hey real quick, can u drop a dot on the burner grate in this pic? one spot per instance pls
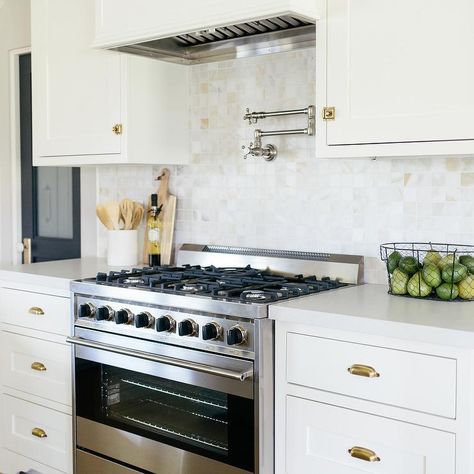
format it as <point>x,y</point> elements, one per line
<point>238,284</point>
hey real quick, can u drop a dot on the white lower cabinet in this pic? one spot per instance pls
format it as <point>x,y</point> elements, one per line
<point>36,366</point>
<point>327,439</point>
<point>14,463</point>
<point>400,378</point>
<point>35,382</point>
<point>39,433</point>
<point>354,403</point>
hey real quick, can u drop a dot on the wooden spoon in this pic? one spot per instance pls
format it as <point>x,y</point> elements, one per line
<point>138,212</point>
<point>113,210</point>
<point>127,207</point>
<point>104,217</point>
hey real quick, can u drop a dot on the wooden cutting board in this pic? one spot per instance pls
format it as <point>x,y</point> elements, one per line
<point>167,216</point>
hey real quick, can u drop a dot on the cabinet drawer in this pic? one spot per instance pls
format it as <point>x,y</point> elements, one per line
<point>405,379</point>
<point>35,366</point>
<point>12,463</point>
<point>22,419</point>
<point>36,311</point>
<point>319,438</point>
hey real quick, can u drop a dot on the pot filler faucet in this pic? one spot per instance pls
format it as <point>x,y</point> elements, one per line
<point>269,152</point>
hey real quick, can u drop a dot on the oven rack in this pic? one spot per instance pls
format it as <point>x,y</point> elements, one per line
<point>147,408</point>
<point>174,394</point>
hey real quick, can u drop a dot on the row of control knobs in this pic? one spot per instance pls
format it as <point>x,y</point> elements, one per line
<point>210,331</point>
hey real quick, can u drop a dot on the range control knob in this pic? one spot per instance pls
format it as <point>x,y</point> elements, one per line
<point>104,313</point>
<point>236,335</point>
<point>165,323</point>
<point>123,316</point>
<point>187,327</point>
<point>144,320</point>
<point>86,310</point>
<point>211,331</point>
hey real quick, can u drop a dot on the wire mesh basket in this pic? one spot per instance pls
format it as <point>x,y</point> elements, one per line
<point>435,271</point>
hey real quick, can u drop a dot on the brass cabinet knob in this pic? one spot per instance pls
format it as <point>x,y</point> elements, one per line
<point>117,129</point>
<point>38,366</point>
<point>39,433</point>
<point>363,371</point>
<point>329,113</point>
<point>364,454</point>
<point>36,310</point>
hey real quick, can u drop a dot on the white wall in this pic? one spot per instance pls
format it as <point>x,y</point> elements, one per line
<point>14,34</point>
<point>297,202</point>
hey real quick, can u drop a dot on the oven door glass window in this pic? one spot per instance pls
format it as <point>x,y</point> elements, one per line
<point>199,420</point>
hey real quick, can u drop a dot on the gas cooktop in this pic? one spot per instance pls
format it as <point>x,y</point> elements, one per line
<point>232,281</point>
<point>237,284</point>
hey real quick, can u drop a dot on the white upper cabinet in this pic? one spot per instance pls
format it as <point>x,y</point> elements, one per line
<point>98,107</point>
<point>120,22</point>
<point>400,76</point>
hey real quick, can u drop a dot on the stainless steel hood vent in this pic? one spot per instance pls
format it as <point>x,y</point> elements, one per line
<point>253,38</point>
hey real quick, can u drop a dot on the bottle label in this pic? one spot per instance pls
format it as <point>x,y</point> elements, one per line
<point>154,235</point>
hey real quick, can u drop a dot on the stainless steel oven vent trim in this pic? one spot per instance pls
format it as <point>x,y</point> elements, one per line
<point>268,252</point>
<point>347,268</point>
<point>251,38</point>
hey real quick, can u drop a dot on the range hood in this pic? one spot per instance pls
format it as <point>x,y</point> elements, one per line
<point>252,38</point>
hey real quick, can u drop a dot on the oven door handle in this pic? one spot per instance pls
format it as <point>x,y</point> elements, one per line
<point>185,364</point>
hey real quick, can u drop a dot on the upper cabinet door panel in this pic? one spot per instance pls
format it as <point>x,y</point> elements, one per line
<point>76,90</point>
<point>400,71</point>
<point>120,22</point>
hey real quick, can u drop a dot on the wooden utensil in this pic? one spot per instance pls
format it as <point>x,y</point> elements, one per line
<point>167,217</point>
<point>104,217</point>
<point>137,217</point>
<point>113,210</point>
<point>127,207</point>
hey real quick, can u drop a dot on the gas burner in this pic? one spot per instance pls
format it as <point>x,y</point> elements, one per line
<point>253,295</point>
<point>132,281</point>
<point>230,272</point>
<point>240,284</point>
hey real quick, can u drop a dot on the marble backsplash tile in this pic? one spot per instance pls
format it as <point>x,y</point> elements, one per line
<point>298,202</point>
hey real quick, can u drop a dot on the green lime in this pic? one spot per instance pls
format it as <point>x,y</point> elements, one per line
<point>408,265</point>
<point>432,275</point>
<point>432,257</point>
<point>418,287</point>
<point>398,282</point>
<point>449,259</point>
<point>392,261</point>
<point>454,273</point>
<point>466,288</point>
<point>467,261</point>
<point>447,291</point>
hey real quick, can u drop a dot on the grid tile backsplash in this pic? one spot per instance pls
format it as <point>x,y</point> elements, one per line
<point>297,202</point>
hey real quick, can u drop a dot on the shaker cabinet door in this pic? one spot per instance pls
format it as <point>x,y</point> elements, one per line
<point>326,439</point>
<point>399,72</point>
<point>76,89</point>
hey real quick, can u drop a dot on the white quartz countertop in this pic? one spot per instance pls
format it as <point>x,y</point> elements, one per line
<point>370,309</point>
<point>54,276</point>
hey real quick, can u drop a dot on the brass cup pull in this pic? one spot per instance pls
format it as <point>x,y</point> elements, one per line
<point>117,129</point>
<point>364,454</point>
<point>363,371</point>
<point>36,310</point>
<point>39,433</point>
<point>38,366</point>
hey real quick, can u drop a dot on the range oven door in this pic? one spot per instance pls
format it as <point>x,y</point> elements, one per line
<point>160,408</point>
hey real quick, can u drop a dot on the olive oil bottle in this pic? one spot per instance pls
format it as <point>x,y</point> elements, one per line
<point>153,232</point>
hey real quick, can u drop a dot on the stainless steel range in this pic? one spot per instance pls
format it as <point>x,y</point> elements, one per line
<point>174,365</point>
